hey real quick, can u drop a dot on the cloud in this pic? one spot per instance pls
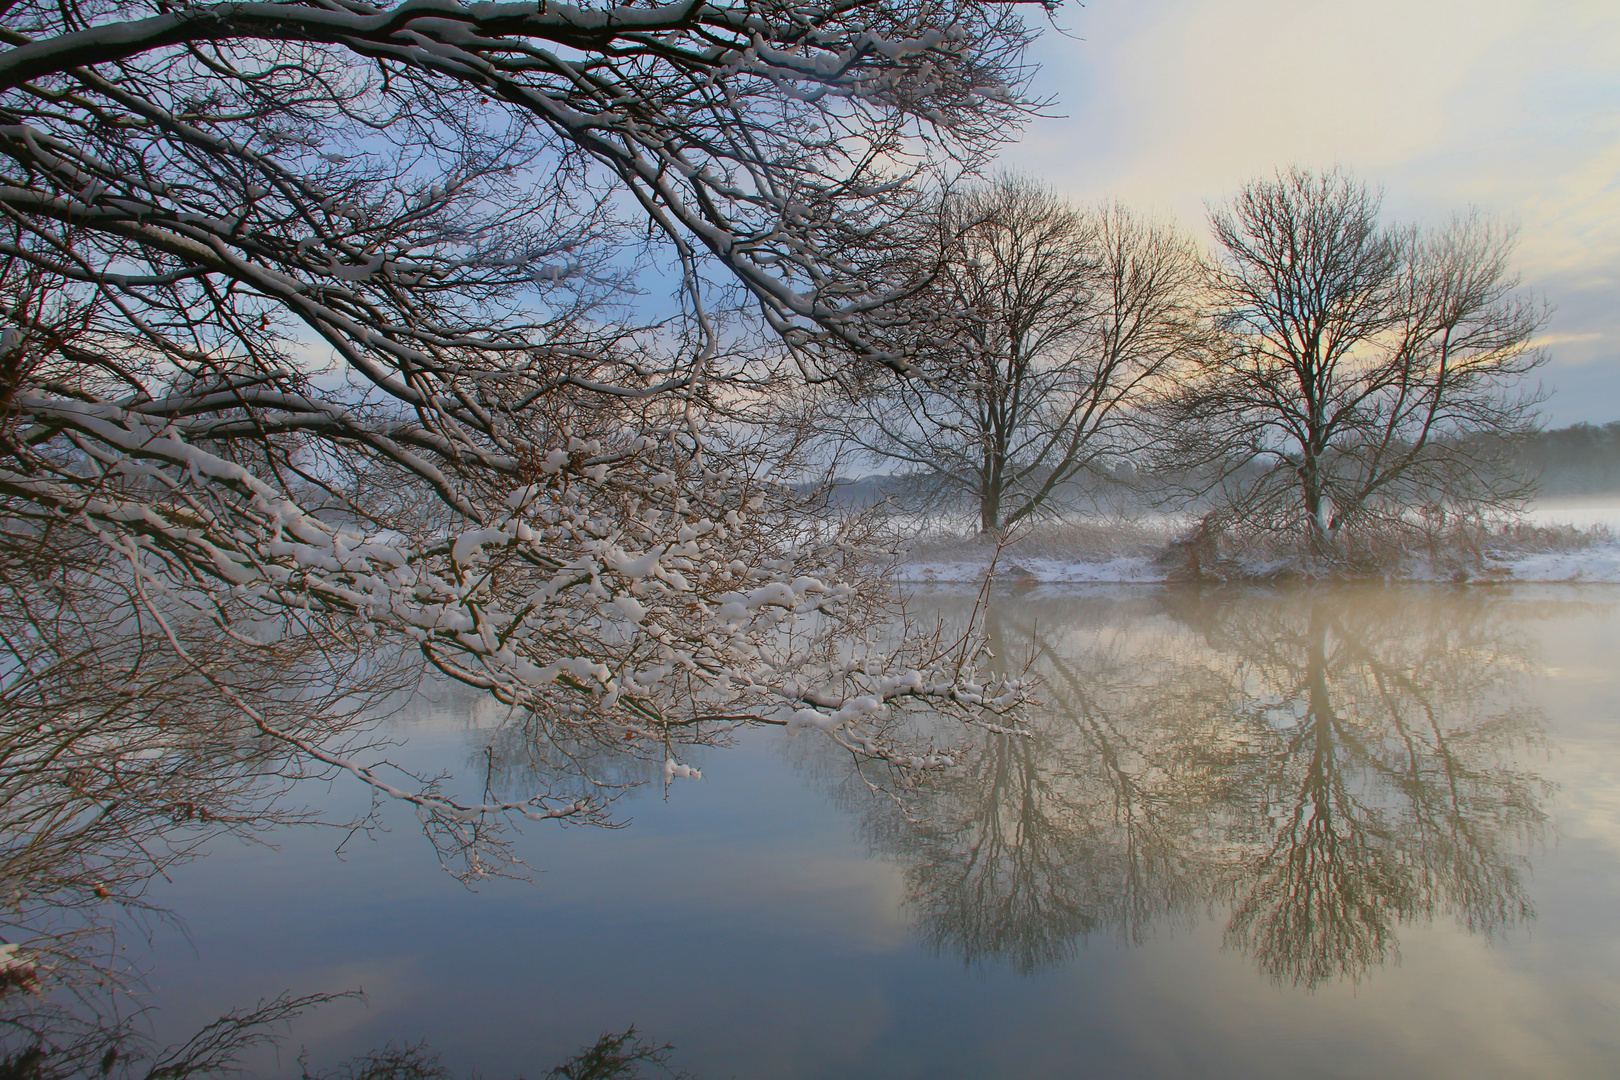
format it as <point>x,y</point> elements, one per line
<point>1546,341</point>
<point>1512,107</point>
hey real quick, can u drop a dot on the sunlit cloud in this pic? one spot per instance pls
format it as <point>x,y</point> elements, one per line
<point>1548,341</point>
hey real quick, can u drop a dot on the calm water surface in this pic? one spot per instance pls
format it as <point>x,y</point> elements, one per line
<point>1338,831</point>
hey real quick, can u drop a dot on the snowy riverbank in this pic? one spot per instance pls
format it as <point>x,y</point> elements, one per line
<point>1598,563</point>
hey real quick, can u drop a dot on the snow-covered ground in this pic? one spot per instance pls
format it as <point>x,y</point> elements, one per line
<point>1600,562</point>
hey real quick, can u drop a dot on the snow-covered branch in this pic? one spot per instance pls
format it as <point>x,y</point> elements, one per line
<point>323,333</point>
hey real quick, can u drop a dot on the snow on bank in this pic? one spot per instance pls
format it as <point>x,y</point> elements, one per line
<point>1563,540</point>
<point>1599,563</point>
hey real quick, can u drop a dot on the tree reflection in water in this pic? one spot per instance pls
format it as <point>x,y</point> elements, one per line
<point>102,789</point>
<point>1319,766</point>
<point>105,787</point>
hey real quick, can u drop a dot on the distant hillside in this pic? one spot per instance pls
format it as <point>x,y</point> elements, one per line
<point>867,490</point>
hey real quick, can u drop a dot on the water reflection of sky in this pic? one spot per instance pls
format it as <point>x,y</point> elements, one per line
<point>758,918</point>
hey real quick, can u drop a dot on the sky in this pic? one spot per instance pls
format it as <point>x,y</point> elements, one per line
<point>1170,105</point>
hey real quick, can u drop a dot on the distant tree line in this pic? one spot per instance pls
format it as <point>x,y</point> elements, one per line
<point>1582,459</point>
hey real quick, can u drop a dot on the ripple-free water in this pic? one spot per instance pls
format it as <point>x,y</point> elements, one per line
<point>1320,831</point>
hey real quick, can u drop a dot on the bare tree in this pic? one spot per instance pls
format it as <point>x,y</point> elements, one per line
<point>318,324</point>
<point>1367,371</point>
<point>1049,326</point>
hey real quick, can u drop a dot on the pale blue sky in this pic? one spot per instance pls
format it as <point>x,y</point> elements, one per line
<point>1514,107</point>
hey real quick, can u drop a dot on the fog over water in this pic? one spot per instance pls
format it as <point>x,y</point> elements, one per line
<point>1318,831</point>
<point>1600,511</point>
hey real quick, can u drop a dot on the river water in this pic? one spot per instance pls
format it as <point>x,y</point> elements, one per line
<point>1302,832</point>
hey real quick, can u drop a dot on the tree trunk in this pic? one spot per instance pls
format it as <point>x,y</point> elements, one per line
<point>990,494</point>
<point>1316,509</point>
<point>990,513</point>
